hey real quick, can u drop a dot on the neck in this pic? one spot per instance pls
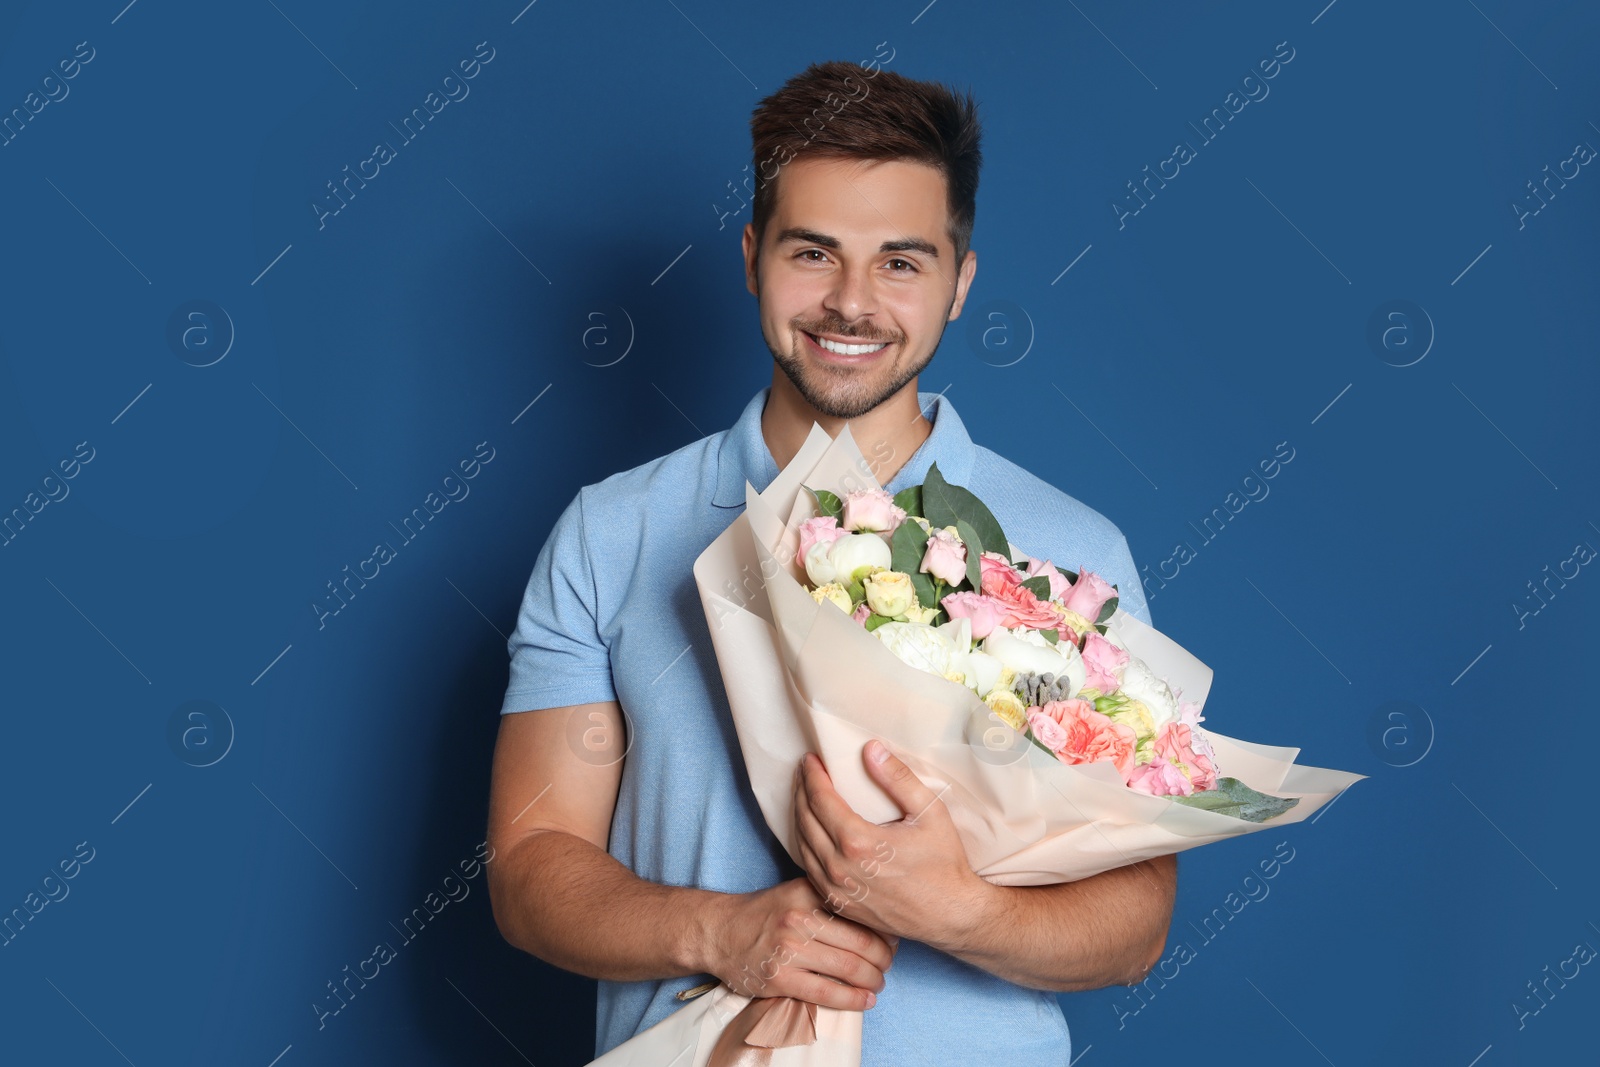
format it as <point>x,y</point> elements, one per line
<point>887,435</point>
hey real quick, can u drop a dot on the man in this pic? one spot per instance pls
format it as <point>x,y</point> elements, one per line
<point>628,844</point>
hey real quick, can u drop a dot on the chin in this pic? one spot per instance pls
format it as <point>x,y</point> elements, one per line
<point>845,395</point>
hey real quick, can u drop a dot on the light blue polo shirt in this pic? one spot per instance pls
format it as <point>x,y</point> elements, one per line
<point>611,612</point>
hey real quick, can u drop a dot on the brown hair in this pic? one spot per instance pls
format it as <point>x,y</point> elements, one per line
<point>838,110</point>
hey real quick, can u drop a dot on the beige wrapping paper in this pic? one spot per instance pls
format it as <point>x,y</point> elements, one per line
<point>689,1036</point>
<point>804,677</point>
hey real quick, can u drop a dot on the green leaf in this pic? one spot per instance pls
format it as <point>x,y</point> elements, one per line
<point>974,542</point>
<point>1050,635</point>
<point>827,503</point>
<point>1212,800</point>
<point>1232,797</point>
<point>1106,611</point>
<point>874,620</point>
<point>1039,585</point>
<point>910,500</point>
<point>946,503</point>
<point>907,546</point>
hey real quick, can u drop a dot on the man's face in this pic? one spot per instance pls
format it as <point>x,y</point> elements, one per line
<point>856,253</point>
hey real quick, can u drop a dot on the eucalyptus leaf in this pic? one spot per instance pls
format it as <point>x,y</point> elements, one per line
<point>1050,635</point>
<point>1039,585</point>
<point>827,503</point>
<point>1232,797</point>
<point>907,546</point>
<point>1107,610</point>
<point>910,501</point>
<point>1212,800</point>
<point>874,620</point>
<point>946,503</point>
<point>974,542</point>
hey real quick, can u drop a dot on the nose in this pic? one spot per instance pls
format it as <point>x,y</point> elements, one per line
<point>853,295</point>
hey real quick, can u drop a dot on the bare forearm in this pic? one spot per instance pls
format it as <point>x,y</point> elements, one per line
<point>1105,930</point>
<point>573,905</point>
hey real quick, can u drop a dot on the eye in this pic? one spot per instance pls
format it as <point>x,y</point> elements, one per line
<point>910,268</point>
<point>806,252</point>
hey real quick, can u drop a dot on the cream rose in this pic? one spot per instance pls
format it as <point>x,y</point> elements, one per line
<point>1008,706</point>
<point>889,593</point>
<point>834,593</point>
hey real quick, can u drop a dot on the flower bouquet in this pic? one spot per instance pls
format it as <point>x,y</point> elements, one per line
<point>1032,641</point>
<point>1061,733</point>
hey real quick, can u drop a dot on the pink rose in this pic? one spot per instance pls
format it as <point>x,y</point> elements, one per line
<point>984,612</point>
<point>1088,595</point>
<point>1048,731</point>
<point>999,576</point>
<point>1102,661</point>
<point>946,557</point>
<point>1090,736</point>
<point>1059,585</point>
<point>1022,608</point>
<point>823,528</point>
<point>1176,743</point>
<point>871,510</point>
<point>1160,779</point>
<point>861,613</point>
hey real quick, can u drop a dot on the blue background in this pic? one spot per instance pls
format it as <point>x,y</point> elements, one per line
<point>578,205</point>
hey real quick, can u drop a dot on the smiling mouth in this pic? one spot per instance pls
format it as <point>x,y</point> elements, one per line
<point>838,348</point>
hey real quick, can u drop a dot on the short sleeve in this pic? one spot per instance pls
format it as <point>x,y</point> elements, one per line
<point>558,657</point>
<point>1130,593</point>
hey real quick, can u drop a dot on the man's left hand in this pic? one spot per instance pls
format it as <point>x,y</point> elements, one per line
<point>908,878</point>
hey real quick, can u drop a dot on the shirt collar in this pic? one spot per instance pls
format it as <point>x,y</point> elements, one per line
<point>743,455</point>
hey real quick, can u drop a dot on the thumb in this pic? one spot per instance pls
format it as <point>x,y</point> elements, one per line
<point>895,778</point>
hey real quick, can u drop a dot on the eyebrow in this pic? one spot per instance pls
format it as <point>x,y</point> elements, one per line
<point>907,244</point>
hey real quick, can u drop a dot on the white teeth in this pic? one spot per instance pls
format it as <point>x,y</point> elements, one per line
<point>846,350</point>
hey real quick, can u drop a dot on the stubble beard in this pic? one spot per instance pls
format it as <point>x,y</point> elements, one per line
<point>842,392</point>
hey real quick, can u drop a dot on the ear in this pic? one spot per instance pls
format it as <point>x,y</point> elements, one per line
<point>969,268</point>
<point>751,252</point>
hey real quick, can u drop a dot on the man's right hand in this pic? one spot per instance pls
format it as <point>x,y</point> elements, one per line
<point>785,942</point>
<point>550,812</point>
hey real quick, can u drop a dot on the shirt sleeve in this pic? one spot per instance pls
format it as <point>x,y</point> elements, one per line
<point>1130,593</point>
<point>558,656</point>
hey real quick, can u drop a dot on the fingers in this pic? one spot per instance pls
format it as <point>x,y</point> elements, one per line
<point>824,801</point>
<point>813,955</point>
<point>829,994</point>
<point>860,941</point>
<point>896,779</point>
<point>839,965</point>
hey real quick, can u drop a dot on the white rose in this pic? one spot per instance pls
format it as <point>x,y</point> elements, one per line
<point>1140,683</point>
